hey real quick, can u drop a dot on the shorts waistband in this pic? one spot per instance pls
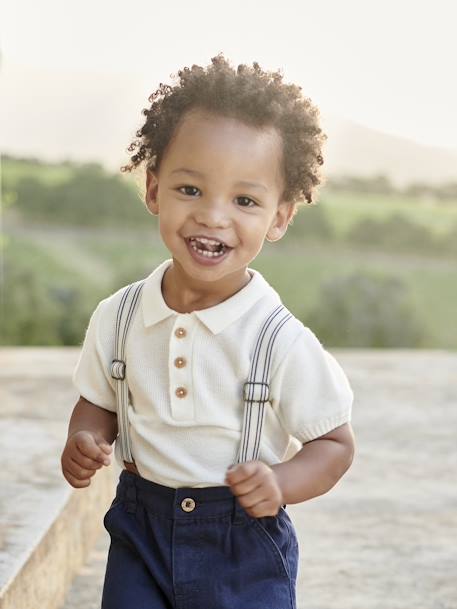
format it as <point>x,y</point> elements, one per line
<point>183,502</point>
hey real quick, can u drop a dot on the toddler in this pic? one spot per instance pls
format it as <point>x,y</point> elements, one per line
<point>197,521</point>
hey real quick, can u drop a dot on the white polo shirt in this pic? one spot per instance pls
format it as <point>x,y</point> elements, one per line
<point>186,371</point>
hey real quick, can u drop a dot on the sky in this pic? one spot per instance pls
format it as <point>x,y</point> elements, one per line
<point>386,65</point>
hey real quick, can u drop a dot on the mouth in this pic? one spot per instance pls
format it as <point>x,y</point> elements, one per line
<point>211,248</point>
<point>207,251</point>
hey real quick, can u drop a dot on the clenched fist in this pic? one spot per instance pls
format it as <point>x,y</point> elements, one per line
<point>84,453</point>
<point>257,487</point>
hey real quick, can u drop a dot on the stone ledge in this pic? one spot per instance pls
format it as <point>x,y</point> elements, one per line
<point>47,528</point>
<point>50,558</point>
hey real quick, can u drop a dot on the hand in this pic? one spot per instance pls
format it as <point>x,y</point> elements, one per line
<point>84,453</point>
<point>256,487</point>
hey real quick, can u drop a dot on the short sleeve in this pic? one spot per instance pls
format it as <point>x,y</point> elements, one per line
<point>309,391</point>
<point>91,376</point>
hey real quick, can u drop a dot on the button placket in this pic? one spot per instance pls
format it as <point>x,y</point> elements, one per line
<point>181,339</point>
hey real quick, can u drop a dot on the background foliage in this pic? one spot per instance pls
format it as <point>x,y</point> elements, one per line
<point>368,266</point>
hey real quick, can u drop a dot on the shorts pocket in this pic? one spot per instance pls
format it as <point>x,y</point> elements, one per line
<point>107,517</point>
<point>275,534</point>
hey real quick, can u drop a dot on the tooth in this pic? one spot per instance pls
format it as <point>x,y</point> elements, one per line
<point>205,240</point>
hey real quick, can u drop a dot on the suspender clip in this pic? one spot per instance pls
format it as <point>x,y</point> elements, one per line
<point>118,369</point>
<point>256,392</point>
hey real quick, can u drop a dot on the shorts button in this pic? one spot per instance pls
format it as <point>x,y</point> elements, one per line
<point>188,504</point>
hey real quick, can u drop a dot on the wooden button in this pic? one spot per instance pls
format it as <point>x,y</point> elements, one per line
<point>188,504</point>
<point>180,332</point>
<point>180,362</point>
<point>181,392</point>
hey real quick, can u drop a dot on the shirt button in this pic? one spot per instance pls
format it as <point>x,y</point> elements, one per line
<point>181,392</point>
<point>188,504</point>
<point>180,332</point>
<point>180,362</point>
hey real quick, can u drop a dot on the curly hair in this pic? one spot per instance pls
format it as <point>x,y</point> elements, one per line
<point>254,96</point>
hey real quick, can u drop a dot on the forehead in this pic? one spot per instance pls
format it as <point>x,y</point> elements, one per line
<point>207,142</point>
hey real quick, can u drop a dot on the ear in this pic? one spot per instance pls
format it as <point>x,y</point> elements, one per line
<point>152,186</point>
<point>278,227</point>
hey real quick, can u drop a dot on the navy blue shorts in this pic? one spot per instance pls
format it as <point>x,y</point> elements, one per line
<point>195,548</point>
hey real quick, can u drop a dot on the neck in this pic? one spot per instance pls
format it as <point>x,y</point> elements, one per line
<point>185,294</point>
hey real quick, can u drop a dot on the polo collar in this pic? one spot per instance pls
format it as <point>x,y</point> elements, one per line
<point>215,318</point>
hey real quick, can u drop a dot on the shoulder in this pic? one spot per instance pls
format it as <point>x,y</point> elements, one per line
<point>299,340</point>
<point>110,305</point>
<point>307,360</point>
<point>105,314</point>
<point>299,345</point>
<point>281,331</point>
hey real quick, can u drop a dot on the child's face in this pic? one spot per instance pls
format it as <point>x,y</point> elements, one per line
<point>219,179</point>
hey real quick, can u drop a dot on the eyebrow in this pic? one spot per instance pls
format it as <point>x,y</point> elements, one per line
<point>198,174</point>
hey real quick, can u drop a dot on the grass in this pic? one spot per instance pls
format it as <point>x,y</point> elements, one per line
<point>294,270</point>
<point>14,170</point>
<point>105,259</point>
<point>346,209</point>
<point>343,208</point>
<point>432,283</point>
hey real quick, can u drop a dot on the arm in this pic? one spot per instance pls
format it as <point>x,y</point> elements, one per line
<point>91,432</point>
<point>262,489</point>
<point>87,416</point>
<point>317,467</point>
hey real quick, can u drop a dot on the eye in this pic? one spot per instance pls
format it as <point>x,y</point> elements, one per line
<point>249,200</point>
<point>188,188</point>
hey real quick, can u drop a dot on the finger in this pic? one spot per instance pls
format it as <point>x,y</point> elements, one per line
<point>78,472</point>
<point>74,481</point>
<point>107,448</point>
<point>87,445</point>
<point>246,486</point>
<point>262,509</point>
<point>85,462</point>
<point>253,497</point>
<point>101,459</point>
<point>247,479</point>
<point>242,471</point>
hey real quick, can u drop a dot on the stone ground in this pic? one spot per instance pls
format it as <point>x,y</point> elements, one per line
<point>385,536</point>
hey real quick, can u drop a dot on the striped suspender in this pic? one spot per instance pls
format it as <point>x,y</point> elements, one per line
<point>127,308</point>
<point>256,389</point>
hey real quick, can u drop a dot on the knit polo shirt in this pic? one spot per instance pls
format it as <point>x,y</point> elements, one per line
<point>186,371</point>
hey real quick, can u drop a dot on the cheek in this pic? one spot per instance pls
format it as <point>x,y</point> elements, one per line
<point>167,228</point>
<point>169,218</point>
<point>256,229</point>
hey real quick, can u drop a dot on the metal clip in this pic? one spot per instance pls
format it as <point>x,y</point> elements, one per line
<point>256,392</point>
<point>118,369</point>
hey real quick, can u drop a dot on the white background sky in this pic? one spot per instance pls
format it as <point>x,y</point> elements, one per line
<point>389,65</point>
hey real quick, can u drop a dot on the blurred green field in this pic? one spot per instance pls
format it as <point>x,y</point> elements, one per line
<point>345,209</point>
<point>15,169</point>
<point>98,261</point>
<point>106,260</point>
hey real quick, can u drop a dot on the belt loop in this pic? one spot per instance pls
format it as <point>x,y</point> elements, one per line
<point>131,496</point>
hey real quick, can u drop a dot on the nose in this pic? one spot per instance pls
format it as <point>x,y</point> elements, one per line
<point>213,213</point>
